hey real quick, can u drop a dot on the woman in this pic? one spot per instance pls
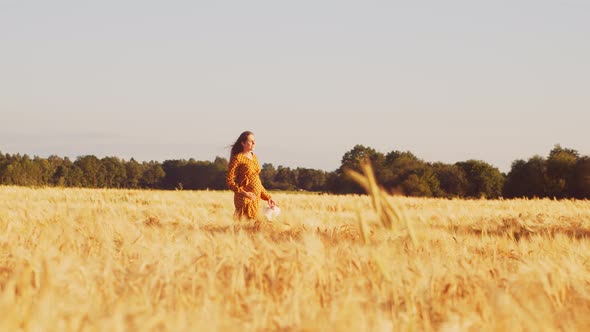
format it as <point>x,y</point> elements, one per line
<point>243,178</point>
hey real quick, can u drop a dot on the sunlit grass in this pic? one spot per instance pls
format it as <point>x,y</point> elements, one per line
<point>115,260</point>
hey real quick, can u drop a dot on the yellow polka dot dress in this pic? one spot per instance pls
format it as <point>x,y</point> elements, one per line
<point>243,175</point>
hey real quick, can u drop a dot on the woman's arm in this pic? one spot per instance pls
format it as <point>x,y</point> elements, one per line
<point>265,196</point>
<point>232,175</point>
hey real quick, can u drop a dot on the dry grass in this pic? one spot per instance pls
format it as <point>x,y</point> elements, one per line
<point>116,260</point>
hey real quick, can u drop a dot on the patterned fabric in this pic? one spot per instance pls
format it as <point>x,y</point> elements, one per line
<point>244,175</point>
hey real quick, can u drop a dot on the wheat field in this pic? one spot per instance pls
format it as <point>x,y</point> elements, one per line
<point>133,260</point>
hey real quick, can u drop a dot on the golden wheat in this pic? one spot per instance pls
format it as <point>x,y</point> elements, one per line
<point>119,260</point>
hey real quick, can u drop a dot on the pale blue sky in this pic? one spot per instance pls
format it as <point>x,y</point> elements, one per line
<point>156,80</point>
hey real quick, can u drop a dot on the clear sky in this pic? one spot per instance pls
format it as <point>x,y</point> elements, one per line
<point>155,80</point>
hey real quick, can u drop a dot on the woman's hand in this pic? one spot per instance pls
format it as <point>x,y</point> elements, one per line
<point>271,203</point>
<point>249,194</point>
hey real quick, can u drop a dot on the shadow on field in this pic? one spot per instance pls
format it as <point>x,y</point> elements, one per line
<point>517,229</point>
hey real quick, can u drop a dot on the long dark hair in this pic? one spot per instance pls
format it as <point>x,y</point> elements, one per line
<point>237,146</point>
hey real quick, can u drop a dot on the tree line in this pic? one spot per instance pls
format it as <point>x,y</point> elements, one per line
<point>562,174</point>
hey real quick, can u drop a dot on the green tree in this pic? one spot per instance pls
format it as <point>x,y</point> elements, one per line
<point>134,171</point>
<point>406,172</point>
<point>416,186</point>
<point>286,179</point>
<point>75,176</point>
<point>220,165</point>
<point>267,175</point>
<point>92,171</point>
<point>399,166</point>
<point>3,164</point>
<point>153,175</point>
<point>483,179</point>
<point>199,175</point>
<point>311,179</point>
<point>22,171</point>
<point>351,160</point>
<point>560,169</point>
<point>452,179</point>
<point>58,171</point>
<point>581,178</point>
<point>60,176</point>
<point>115,172</point>
<point>175,173</point>
<point>527,179</point>
<point>42,171</point>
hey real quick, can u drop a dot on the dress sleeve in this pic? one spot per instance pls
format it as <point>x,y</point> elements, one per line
<point>231,176</point>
